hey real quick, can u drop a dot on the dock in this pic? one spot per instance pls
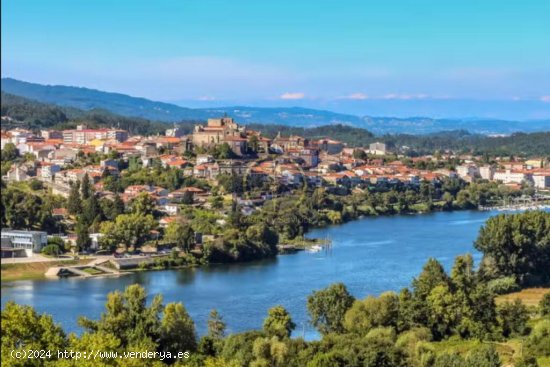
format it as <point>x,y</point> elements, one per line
<point>95,270</point>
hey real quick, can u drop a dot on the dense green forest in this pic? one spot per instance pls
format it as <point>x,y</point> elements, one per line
<point>442,320</point>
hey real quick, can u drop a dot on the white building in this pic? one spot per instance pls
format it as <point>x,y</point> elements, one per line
<point>27,241</point>
<point>487,172</point>
<point>509,176</point>
<point>541,180</point>
<point>377,148</point>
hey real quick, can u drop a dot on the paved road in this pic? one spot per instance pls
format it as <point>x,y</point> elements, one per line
<point>37,258</point>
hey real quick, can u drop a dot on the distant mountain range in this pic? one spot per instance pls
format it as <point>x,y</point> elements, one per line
<point>89,99</point>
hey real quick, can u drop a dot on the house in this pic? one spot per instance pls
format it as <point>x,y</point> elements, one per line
<point>283,144</point>
<point>535,163</point>
<point>164,222</point>
<point>60,213</point>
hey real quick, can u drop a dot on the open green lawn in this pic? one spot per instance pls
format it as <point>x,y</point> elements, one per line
<point>92,271</point>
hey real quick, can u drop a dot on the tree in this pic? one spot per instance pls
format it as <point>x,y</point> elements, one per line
<point>91,210</point>
<point>253,143</point>
<point>128,230</point>
<point>260,234</point>
<point>143,204</point>
<point>432,275</point>
<point>544,305</point>
<point>463,273</point>
<point>188,198</point>
<point>328,307</point>
<point>177,330</point>
<point>516,245</point>
<point>406,313</point>
<point>359,154</point>
<point>112,208</point>
<point>74,203</point>
<point>512,318</point>
<point>443,311</point>
<point>450,360</point>
<point>128,317</point>
<point>180,234</point>
<point>23,329</point>
<point>484,357</point>
<point>538,342</point>
<point>278,322</point>
<point>9,153</point>
<point>86,187</point>
<point>23,210</point>
<point>372,312</point>
<point>82,235</point>
<point>216,326</point>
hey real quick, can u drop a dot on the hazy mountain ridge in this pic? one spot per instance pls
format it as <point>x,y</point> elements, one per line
<point>89,99</point>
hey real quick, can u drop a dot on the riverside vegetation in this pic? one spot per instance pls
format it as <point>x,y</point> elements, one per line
<point>443,319</point>
<point>285,218</point>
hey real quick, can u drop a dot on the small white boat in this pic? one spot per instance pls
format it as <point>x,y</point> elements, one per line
<point>314,248</point>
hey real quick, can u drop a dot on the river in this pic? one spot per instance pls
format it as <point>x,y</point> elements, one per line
<point>369,255</point>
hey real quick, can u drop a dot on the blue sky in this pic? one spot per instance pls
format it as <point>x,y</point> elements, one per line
<point>351,56</point>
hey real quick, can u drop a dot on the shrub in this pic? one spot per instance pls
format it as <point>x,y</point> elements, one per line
<point>51,250</point>
<point>538,343</point>
<point>503,285</point>
<point>544,305</point>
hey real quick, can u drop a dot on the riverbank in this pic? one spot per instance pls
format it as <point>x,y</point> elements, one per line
<point>364,252</point>
<point>33,270</point>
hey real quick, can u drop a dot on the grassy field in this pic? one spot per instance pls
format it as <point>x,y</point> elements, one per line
<point>92,271</point>
<point>529,296</point>
<point>26,271</point>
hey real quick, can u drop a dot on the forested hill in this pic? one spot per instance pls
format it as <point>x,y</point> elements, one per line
<point>35,115</point>
<point>520,144</point>
<point>89,99</point>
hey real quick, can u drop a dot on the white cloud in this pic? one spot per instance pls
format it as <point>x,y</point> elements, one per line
<point>545,99</point>
<point>405,96</point>
<point>355,96</point>
<point>294,95</point>
<point>206,98</point>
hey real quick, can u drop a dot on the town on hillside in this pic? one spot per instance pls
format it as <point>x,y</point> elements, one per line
<point>216,159</point>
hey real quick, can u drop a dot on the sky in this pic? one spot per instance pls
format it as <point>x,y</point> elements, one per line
<point>393,57</point>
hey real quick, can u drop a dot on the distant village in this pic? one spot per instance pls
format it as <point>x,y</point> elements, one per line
<point>290,161</point>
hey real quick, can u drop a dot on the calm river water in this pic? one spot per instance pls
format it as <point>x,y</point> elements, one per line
<point>370,255</point>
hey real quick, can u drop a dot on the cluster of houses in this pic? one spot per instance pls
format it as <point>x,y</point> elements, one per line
<point>533,171</point>
<point>287,160</point>
<point>290,160</point>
